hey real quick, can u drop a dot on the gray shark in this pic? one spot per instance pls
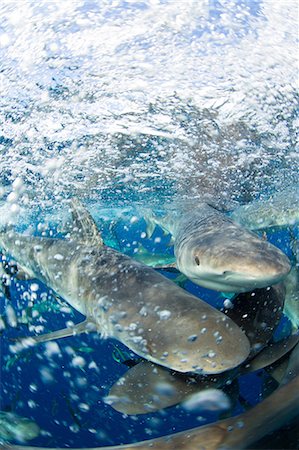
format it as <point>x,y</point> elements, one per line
<point>126,300</point>
<point>215,252</point>
<point>235,433</point>
<point>146,388</point>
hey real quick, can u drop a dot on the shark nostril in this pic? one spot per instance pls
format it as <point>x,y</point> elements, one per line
<point>196,259</point>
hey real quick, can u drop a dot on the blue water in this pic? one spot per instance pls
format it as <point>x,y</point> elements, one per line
<point>129,105</point>
<point>67,402</point>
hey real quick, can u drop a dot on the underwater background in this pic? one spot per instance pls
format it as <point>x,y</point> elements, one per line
<point>130,105</point>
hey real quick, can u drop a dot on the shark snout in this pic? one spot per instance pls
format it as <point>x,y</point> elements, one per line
<point>239,268</point>
<point>269,263</point>
<point>257,271</point>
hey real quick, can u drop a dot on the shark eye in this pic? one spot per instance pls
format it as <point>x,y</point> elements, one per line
<point>197,260</point>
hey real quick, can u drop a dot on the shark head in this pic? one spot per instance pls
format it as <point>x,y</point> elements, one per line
<point>232,262</point>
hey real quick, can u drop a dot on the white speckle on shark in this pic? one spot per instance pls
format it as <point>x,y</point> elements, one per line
<point>130,312</point>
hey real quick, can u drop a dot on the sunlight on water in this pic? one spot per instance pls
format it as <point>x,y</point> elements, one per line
<point>125,99</point>
<point>142,109</point>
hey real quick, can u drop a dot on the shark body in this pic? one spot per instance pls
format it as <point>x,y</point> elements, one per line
<point>126,300</point>
<point>66,265</point>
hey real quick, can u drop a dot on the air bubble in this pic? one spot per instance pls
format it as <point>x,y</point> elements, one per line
<point>78,361</point>
<point>228,304</point>
<point>209,400</point>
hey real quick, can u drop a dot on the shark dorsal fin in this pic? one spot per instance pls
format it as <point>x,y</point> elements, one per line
<point>84,227</point>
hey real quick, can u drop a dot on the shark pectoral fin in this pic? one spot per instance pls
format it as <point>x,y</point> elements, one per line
<point>84,227</point>
<point>82,327</point>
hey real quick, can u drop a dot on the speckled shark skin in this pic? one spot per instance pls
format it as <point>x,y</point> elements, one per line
<point>126,300</point>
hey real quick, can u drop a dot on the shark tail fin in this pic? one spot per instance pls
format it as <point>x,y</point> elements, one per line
<point>84,226</point>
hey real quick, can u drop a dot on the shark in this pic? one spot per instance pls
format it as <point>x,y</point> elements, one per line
<point>147,388</point>
<point>215,252</point>
<point>235,433</point>
<point>126,300</point>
